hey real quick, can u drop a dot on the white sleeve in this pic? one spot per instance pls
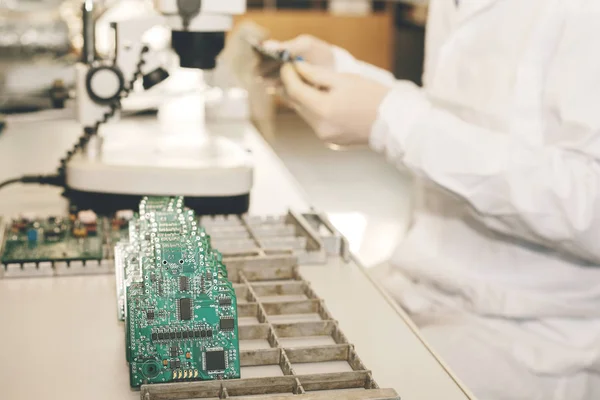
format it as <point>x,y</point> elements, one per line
<point>346,63</point>
<point>545,194</point>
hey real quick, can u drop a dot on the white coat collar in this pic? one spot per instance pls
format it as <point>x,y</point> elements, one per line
<point>467,9</point>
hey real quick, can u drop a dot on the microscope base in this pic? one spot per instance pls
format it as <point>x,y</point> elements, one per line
<point>215,176</point>
<point>107,204</point>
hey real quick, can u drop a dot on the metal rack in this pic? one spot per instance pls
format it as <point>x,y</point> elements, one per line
<point>309,237</point>
<point>290,345</point>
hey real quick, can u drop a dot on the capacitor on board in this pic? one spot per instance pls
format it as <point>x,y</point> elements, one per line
<point>87,217</point>
<point>32,236</point>
<point>79,230</point>
<point>125,215</point>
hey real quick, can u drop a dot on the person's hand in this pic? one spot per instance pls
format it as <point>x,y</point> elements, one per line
<point>311,49</point>
<point>340,107</point>
<point>239,57</point>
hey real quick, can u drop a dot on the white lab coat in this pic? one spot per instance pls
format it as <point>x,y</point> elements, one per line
<point>503,254</point>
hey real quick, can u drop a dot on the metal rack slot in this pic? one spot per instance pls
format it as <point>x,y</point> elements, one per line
<point>284,288</point>
<point>336,352</point>
<point>310,306</point>
<point>251,358</point>
<point>333,381</point>
<point>317,328</point>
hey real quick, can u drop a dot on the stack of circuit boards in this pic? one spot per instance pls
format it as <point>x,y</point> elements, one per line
<point>179,307</point>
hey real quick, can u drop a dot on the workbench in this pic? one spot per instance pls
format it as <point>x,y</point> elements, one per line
<point>60,337</point>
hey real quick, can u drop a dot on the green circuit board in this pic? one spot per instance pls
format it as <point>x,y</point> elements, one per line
<point>51,239</point>
<point>179,307</point>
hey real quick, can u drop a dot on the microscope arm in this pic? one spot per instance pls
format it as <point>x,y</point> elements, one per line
<point>101,85</point>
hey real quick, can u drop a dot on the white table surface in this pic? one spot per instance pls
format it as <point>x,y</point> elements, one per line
<point>60,338</point>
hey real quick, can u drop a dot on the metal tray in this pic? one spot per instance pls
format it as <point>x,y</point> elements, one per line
<point>236,236</point>
<point>290,345</point>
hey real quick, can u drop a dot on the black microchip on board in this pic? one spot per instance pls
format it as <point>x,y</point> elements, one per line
<point>203,333</point>
<point>196,333</point>
<point>225,301</point>
<point>226,324</point>
<point>184,283</point>
<point>161,336</point>
<point>185,334</point>
<point>172,335</point>
<point>150,315</point>
<point>209,333</point>
<point>215,360</point>
<point>174,351</point>
<point>185,309</point>
<point>154,336</point>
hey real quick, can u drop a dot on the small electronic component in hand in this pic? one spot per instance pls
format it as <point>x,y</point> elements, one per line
<point>272,60</point>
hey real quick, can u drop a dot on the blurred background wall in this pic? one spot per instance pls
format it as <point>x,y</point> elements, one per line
<point>386,33</point>
<point>40,39</point>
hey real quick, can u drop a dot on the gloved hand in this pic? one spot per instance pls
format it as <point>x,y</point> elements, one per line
<point>311,49</point>
<point>340,107</point>
<point>239,57</point>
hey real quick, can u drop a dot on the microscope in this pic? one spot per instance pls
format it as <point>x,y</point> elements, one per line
<point>214,173</point>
